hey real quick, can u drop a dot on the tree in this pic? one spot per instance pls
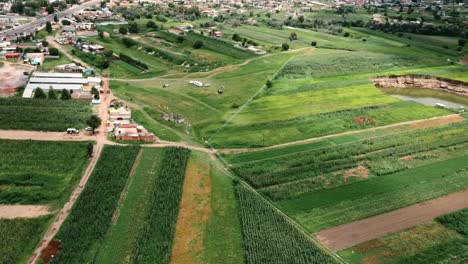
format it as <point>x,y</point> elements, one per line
<point>133,27</point>
<point>269,84</point>
<point>123,30</point>
<point>150,24</point>
<point>314,43</point>
<point>94,121</point>
<point>293,36</point>
<point>65,95</point>
<point>48,27</point>
<point>461,42</point>
<point>66,22</point>
<point>45,43</point>
<point>89,149</point>
<point>236,37</point>
<point>55,18</point>
<point>180,39</point>
<point>198,44</point>
<point>50,9</point>
<point>51,94</point>
<point>54,52</point>
<point>101,34</point>
<point>285,46</point>
<point>39,94</point>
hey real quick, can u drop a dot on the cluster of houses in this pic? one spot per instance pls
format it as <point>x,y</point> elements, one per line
<point>123,127</point>
<point>15,51</point>
<point>77,84</point>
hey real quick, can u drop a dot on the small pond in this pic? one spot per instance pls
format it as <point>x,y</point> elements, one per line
<point>428,97</point>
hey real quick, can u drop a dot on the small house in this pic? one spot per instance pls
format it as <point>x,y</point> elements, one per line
<point>174,118</point>
<point>176,31</point>
<point>217,34</point>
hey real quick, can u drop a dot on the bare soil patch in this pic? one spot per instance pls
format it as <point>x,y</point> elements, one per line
<point>12,77</point>
<point>194,213</point>
<point>360,171</point>
<point>444,120</point>
<point>23,211</point>
<point>354,233</point>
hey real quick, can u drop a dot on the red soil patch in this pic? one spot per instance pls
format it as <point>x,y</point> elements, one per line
<point>360,171</point>
<point>50,251</point>
<point>364,120</point>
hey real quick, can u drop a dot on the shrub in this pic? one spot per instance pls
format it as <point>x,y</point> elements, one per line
<point>198,44</point>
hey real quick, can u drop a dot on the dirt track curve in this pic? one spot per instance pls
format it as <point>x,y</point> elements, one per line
<point>354,233</point>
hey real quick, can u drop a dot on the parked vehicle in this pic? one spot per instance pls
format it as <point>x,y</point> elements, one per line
<point>72,131</point>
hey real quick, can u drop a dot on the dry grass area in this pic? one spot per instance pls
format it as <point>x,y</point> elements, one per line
<point>194,214</point>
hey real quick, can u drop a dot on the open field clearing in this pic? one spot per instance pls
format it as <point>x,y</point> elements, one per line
<point>91,216</point>
<point>443,241</point>
<point>44,174</point>
<point>270,238</point>
<point>42,115</point>
<point>19,237</point>
<point>351,234</point>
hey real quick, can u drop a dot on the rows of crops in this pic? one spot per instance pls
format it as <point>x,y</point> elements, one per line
<point>454,250</point>
<point>270,238</point>
<point>156,234</point>
<point>42,115</point>
<point>322,166</point>
<point>39,172</point>
<point>91,216</point>
<point>19,237</point>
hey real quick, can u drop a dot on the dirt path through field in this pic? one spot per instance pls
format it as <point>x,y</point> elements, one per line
<point>65,211</point>
<point>421,123</point>
<point>23,211</point>
<point>354,233</point>
<point>194,213</point>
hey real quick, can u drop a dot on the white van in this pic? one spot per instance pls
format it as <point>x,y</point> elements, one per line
<point>72,131</point>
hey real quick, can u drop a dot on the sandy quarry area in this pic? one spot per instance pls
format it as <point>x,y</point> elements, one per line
<point>354,233</point>
<point>12,77</point>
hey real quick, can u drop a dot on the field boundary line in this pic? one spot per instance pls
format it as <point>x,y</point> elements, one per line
<point>249,100</point>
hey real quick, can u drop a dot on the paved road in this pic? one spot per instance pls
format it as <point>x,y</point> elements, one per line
<point>38,23</point>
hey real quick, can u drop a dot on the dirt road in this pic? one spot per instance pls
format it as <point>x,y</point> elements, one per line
<point>351,234</point>
<point>46,136</point>
<point>23,211</point>
<point>64,212</point>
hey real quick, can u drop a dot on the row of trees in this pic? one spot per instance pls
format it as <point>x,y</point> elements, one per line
<point>52,94</point>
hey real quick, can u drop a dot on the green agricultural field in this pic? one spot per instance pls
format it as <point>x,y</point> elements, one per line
<point>270,238</point>
<point>20,237</point>
<point>91,216</point>
<point>331,207</point>
<point>315,182</point>
<point>443,240</point>
<point>42,115</point>
<point>39,172</point>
